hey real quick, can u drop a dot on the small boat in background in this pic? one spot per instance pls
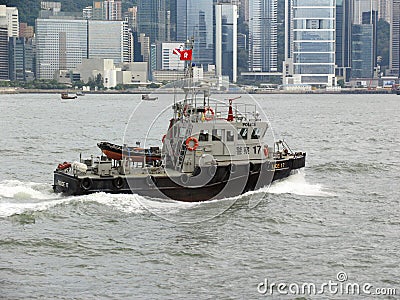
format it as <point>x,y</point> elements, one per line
<point>80,93</point>
<point>148,98</point>
<point>67,96</point>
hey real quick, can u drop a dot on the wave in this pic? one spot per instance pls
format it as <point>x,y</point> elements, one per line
<point>297,184</point>
<point>18,197</point>
<point>350,167</point>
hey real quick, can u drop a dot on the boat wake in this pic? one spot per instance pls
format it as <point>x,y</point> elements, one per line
<point>18,197</point>
<point>297,184</point>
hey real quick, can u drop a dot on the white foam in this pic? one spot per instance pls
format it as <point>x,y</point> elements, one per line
<point>17,197</point>
<point>25,190</point>
<point>296,184</point>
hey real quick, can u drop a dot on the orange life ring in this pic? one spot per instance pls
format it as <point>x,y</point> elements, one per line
<point>208,109</point>
<point>194,140</point>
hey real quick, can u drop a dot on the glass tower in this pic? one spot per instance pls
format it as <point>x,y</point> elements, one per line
<point>263,45</point>
<point>312,42</point>
<point>194,18</point>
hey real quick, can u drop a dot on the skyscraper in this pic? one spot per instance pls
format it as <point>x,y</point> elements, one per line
<point>263,45</point>
<point>9,19</point>
<point>151,16</point>
<point>226,16</point>
<point>3,53</point>
<point>194,18</point>
<point>394,62</point>
<point>344,18</point>
<point>60,44</point>
<point>310,42</point>
<point>16,54</point>
<point>107,10</point>
<point>110,40</point>
<point>362,51</point>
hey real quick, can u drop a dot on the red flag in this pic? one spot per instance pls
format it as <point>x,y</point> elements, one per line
<point>186,54</point>
<point>176,51</point>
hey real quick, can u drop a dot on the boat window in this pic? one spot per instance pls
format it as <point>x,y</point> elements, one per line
<point>182,132</point>
<point>255,134</point>
<point>243,133</point>
<point>229,136</point>
<point>203,136</point>
<point>217,134</point>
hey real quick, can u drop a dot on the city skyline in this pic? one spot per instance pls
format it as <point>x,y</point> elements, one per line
<point>325,41</point>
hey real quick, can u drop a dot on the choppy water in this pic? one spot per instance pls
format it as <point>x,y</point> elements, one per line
<point>339,214</point>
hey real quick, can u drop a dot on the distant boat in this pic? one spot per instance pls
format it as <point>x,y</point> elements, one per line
<point>67,96</point>
<point>148,98</point>
<point>79,93</point>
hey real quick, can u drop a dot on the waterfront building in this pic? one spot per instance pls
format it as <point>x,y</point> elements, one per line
<point>263,45</point>
<point>4,53</point>
<point>151,15</point>
<point>344,18</point>
<point>61,44</point>
<point>110,40</point>
<point>394,61</point>
<point>226,16</point>
<point>166,59</point>
<point>362,51</point>
<point>16,58</point>
<point>310,42</point>
<point>9,19</point>
<point>195,19</point>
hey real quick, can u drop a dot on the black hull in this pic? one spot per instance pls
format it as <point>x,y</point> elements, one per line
<point>208,184</point>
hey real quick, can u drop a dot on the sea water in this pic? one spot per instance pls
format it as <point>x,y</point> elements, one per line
<point>335,221</point>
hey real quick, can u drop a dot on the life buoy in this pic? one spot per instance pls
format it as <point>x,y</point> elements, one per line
<point>194,140</point>
<point>209,109</point>
<point>86,183</point>
<point>118,182</point>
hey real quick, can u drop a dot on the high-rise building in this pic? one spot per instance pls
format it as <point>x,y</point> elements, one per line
<point>263,44</point>
<point>131,17</point>
<point>310,42</point>
<point>166,59</point>
<point>60,44</point>
<point>151,15</point>
<point>63,43</point>
<point>3,53</point>
<point>16,58</point>
<point>226,16</point>
<point>362,51</point>
<point>107,10</point>
<point>110,40</point>
<point>394,61</point>
<point>195,19</point>
<point>385,10</point>
<point>344,18</point>
<point>9,19</point>
<point>87,12</point>
<point>361,6</point>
